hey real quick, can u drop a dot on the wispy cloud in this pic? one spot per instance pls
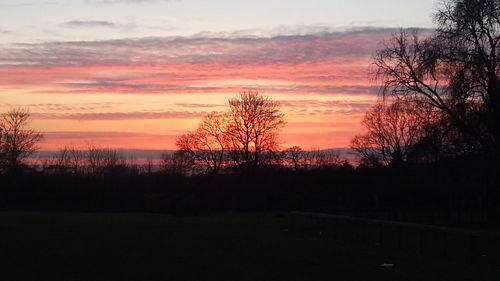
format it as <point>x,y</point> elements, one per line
<point>55,140</point>
<point>119,115</point>
<point>327,71</point>
<point>59,107</point>
<point>321,63</point>
<point>198,105</point>
<point>352,106</point>
<point>201,49</point>
<point>90,23</point>
<point>90,134</point>
<point>99,24</point>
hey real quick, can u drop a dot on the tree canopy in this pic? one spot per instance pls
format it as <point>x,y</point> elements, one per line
<point>454,69</point>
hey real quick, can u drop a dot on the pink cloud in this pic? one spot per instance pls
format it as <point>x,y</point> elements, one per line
<point>313,63</point>
<point>330,64</point>
<point>58,140</point>
<point>119,115</point>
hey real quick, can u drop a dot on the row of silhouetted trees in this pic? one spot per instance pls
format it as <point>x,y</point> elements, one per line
<point>246,137</point>
<point>431,142</point>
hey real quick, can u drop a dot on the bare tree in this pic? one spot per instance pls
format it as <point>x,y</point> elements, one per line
<point>455,69</point>
<point>253,126</point>
<point>246,135</point>
<point>208,143</point>
<point>17,140</point>
<point>392,131</point>
<point>103,160</point>
<point>317,158</point>
<point>77,158</point>
<point>59,162</point>
<point>68,160</point>
<point>295,157</point>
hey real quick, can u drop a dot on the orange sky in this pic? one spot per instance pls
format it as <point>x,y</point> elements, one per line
<point>143,93</point>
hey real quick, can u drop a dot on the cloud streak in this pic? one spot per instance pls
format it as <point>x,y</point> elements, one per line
<point>90,23</point>
<point>324,63</point>
<point>56,140</point>
<point>198,50</point>
<point>171,82</point>
<point>119,115</point>
<point>62,107</point>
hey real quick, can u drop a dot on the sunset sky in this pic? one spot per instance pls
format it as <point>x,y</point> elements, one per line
<point>138,73</point>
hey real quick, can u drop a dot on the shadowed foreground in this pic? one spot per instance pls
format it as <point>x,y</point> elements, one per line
<point>49,246</point>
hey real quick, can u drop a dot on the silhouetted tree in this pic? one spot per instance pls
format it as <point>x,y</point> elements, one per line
<point>103,160</point>
<point>455,69</point>
<point>253,125</point>
<point>317,158</point>
<point>17,140</point>
<point>77,158</point>
<point>67,160</point>
<point>392,131</point>
<point>208,143</point>
<point>295,157</point>
<point>58,163</point>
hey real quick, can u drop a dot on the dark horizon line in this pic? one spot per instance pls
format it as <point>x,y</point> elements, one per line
<point>158,152</point>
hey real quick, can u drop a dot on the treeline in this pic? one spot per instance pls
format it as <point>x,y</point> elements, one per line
<point>445,187</point>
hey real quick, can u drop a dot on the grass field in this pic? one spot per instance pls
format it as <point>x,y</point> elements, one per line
<point>148,247</point>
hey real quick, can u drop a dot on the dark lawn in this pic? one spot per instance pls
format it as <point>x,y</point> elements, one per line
<point>148,247</point>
